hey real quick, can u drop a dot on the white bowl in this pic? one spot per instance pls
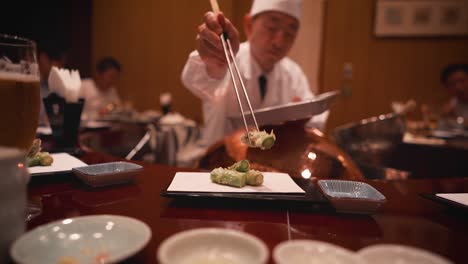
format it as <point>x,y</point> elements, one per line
<point>312,251</point>
<point>398,254</point>
<point>352,196</point>
<point>83,239</point>
<point>212,245</point>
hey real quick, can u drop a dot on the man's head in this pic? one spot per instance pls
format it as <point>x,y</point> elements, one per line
<point>455,78</point>
<point>107,73</point>
<point>48,56</point>
<point>271,28</point>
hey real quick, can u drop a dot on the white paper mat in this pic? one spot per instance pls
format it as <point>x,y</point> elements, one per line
<point>63,162</point>
<point>461,198</point>
<point>201,182</point>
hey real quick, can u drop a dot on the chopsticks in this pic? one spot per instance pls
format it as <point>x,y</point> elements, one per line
<point>231,58</point>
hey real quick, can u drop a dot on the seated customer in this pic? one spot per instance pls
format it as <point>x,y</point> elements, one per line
<point>454,78</point>
<point>100,94</point>
<point>48,55</point>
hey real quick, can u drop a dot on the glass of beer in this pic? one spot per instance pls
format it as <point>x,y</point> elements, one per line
<point>19,100</point>
<point>19,92</point>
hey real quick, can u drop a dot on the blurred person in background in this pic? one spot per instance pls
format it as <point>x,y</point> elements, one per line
<point>100,93</point>
<point>454,78</point>
<point>49,55</point>
<point>270,77</point>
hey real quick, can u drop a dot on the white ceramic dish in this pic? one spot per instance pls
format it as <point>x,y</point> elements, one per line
<point>398,254</point>
<point>312,251</point>
<point>212,245</point>
<point>108,173</point>
<point>85,239</point>
<point>63,163</point>
<point>290,111</point>
<point>352,196</point>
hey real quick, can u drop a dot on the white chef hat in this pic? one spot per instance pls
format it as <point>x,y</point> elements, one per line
<point>289,7</point>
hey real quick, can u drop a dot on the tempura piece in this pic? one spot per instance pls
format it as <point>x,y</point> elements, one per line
<point>37,158</point>
<point>259,139</point>
<point>228,177</point>
<point>254,178</point>
<point>35,148</point>
<point>40,159</point>
<point>241,166</point>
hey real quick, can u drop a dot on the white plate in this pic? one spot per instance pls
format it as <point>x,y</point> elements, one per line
<point>212,245</point>
<point>63,162</point>
<point>83,240</point>
<point>312,251</point>
<point>290,111</point>
<point>398,254</point>
<point>201,182</point>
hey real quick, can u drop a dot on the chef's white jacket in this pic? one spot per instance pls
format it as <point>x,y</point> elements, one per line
<point>219,101</point>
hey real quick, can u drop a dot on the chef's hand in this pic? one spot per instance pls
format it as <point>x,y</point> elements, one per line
<point>209,44</point>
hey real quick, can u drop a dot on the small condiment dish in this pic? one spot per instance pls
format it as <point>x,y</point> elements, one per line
<point>108,173</point>
<point>352,196</point>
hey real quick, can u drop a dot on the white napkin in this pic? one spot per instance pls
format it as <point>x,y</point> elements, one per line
<point>65,83</point>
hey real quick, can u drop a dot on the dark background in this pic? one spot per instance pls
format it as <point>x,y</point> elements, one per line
<point>63,25</point>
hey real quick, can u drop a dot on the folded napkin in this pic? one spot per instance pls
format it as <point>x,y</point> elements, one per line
<point>413,139</point>
<point>65,83</point>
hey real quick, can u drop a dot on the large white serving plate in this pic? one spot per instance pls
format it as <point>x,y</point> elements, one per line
<point>201,182</point>
<point>63,162</point>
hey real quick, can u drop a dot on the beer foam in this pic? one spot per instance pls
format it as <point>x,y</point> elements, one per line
<point>19,77</point>
<point>10,153</point>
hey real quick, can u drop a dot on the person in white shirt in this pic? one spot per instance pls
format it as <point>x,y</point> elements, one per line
<point>100,94</point>
<point>454,78</point>
<point>270,77</point>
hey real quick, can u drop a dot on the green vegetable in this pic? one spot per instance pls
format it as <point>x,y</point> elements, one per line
<point>228,177</point>
<point>46,159</point>
<point>40,159</point>
<point>259,139</point>
<point>254,178</point>
<point>241,166</point>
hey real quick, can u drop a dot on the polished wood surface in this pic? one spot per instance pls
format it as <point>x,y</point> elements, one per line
<point>407,218</point>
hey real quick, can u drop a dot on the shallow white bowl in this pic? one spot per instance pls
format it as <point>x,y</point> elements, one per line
<point>212,245</point>
<point>83,240</point>
<point>399,254</point>
<point>312,251</point>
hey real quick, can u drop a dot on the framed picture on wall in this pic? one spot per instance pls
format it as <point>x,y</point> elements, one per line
<point>421,18</point>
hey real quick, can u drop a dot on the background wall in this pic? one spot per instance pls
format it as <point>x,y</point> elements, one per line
<point>384,70</point>
<point>152,39</point>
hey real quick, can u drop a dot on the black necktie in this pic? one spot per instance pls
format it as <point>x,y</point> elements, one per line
<point>262,83</point>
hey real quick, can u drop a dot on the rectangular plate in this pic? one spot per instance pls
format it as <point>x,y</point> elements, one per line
<point>451,203</point>
<point>63,162</point>
<point>290,111</point>
<point>306,192</point>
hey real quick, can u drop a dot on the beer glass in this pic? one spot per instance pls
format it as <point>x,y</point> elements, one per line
<point>19,99</point>
<point>19,92</point>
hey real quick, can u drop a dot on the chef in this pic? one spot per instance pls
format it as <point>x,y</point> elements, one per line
<point>270,77</point>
